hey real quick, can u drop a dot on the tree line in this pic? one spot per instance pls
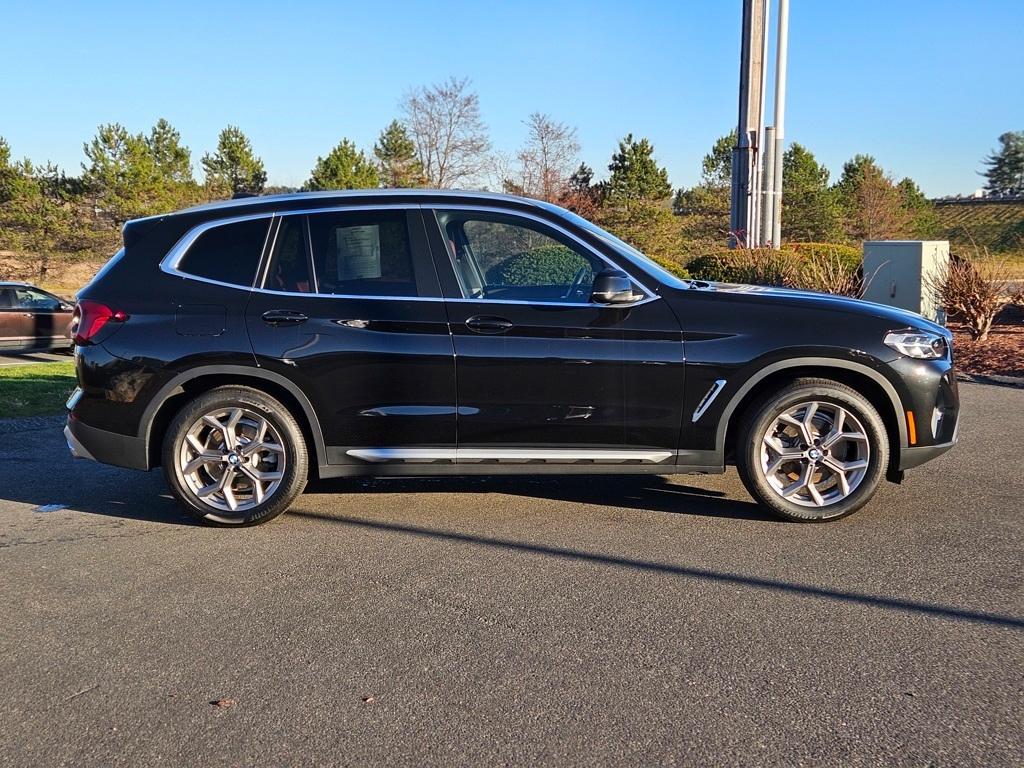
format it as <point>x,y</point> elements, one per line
<point>439,140</point>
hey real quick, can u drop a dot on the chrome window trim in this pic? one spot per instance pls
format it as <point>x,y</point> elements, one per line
<point>650,295</point>
<point>172,260</point>
<point>169,264</point>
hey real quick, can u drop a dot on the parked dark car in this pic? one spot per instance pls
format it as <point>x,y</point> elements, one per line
<point>248,344</point>
<point>32,319</point>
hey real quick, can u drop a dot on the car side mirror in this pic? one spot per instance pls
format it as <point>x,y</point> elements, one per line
<point>613,286</point>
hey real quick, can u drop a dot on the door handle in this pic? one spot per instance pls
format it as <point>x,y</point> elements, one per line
<point>488,324</point>
<point>283,317</point>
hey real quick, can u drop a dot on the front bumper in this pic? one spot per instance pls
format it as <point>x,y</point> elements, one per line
<point>932,396</point>
<point>915,457</point>
<point>87,442</point>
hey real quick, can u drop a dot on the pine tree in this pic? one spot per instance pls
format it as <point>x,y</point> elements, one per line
<point>1005,172</point>
<point>705,207</point>
<point>344,167</point>
<point>635,174</point>
<point>810,208</point>
<point>234,167</point>
<point>121,175</point>
<point>397,163</point>
<point>173,159</point>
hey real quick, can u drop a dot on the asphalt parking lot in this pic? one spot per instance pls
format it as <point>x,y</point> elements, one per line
<point>584,621</point>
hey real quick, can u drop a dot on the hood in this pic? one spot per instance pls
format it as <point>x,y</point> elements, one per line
<point>897,318</point>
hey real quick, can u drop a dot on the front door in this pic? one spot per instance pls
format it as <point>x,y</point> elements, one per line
<point>544,374</point>
<point>349,308</point>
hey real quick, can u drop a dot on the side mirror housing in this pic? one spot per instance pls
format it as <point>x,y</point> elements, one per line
<point>613,286</point>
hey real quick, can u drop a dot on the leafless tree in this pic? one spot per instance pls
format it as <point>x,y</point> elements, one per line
<point>546,161</point>
<point>451,138</point>
<point>878,212</point>
<point>974,291</point>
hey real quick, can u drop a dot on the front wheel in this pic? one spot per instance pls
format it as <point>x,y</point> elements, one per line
<point>813,451</point>
<point>235,456</point>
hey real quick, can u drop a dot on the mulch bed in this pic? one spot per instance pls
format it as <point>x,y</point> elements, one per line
<point>1001,354</point>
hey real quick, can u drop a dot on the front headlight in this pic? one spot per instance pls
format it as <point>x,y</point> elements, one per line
<point>918,344</point>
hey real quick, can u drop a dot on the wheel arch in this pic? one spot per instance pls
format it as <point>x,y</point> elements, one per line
<point>188,384</point>
<point>870,383</point>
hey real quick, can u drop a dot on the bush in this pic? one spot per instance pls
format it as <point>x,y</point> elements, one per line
<point>974,290</point>
<point>544,265</point>
<point>757,266</point>
<point>822,267</point>
<point>849,255</point>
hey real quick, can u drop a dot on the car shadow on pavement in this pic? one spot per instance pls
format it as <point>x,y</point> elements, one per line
<point>683,571</point>
<point>649,493</point>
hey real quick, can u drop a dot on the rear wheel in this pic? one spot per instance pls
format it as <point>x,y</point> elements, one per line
<point>813,451</point>
<point>235,456</point>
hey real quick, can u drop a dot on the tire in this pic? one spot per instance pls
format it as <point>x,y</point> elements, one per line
<point>829,477</point>
<point>264,436</point>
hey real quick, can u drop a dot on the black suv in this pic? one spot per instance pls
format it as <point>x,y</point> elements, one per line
<point>244,345</point>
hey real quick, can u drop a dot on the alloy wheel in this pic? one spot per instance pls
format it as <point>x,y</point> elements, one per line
<point>815,454</point>
<point>232,459</point>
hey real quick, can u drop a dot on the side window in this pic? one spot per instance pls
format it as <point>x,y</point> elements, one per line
<point>361,253</point>
<point>289,260</point>
<point>26,298</point>
<point>228,253</point>
<point>6,298</point>
<point>505,257</point>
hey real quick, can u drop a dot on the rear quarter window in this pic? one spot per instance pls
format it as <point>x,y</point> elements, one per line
<point>228,253</point>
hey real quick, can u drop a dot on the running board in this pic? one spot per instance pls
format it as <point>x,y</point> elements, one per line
<point>509,455</point>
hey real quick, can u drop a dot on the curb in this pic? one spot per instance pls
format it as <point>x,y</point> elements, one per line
<point>1016,382</point>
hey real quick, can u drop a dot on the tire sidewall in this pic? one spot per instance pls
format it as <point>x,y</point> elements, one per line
<point>768,409</point>
<point>296,459</point>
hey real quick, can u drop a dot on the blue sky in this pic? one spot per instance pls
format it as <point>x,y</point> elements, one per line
<point>924,85</point>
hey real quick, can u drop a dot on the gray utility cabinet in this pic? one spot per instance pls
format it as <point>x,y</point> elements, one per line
<point>897,273</point>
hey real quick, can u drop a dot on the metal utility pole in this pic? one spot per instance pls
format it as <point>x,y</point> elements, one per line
<point>755,213</point>
<point>745,202</point>
<point>781,50</point>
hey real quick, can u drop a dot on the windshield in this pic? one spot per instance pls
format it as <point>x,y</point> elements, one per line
<point>628,252</point>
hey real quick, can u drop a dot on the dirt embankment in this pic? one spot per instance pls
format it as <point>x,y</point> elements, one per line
<point>61,277</point>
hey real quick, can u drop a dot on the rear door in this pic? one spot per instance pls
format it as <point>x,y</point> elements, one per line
<point>349,308</point>
<point>15,323</point>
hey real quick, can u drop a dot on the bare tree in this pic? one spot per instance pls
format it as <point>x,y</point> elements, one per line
<point>450,137</point>
<point>546,161</point>
<point>975,290</point>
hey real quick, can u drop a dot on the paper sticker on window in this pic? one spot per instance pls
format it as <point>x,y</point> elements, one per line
<point>358,252</point>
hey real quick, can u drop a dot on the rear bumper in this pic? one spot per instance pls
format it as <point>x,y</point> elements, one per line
<point>87,442</point>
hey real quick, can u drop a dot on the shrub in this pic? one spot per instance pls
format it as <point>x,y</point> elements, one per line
<point>813,266</point>
<point>831,273</point>
<point>544,265</point>
<point>848,255</point>
<point>974,290</point>
<point>757,266</point>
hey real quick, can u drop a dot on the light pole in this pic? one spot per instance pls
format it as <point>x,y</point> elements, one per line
<point>755,218</point>
<point>745,200</point>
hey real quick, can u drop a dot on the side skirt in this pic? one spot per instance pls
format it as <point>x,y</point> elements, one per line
<point>428,462</point>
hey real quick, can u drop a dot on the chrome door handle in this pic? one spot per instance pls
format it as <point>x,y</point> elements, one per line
<point>487,324</point>
<point>283,317</point>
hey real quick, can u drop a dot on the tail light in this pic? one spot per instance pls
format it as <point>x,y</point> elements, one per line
<point>90,317</point>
